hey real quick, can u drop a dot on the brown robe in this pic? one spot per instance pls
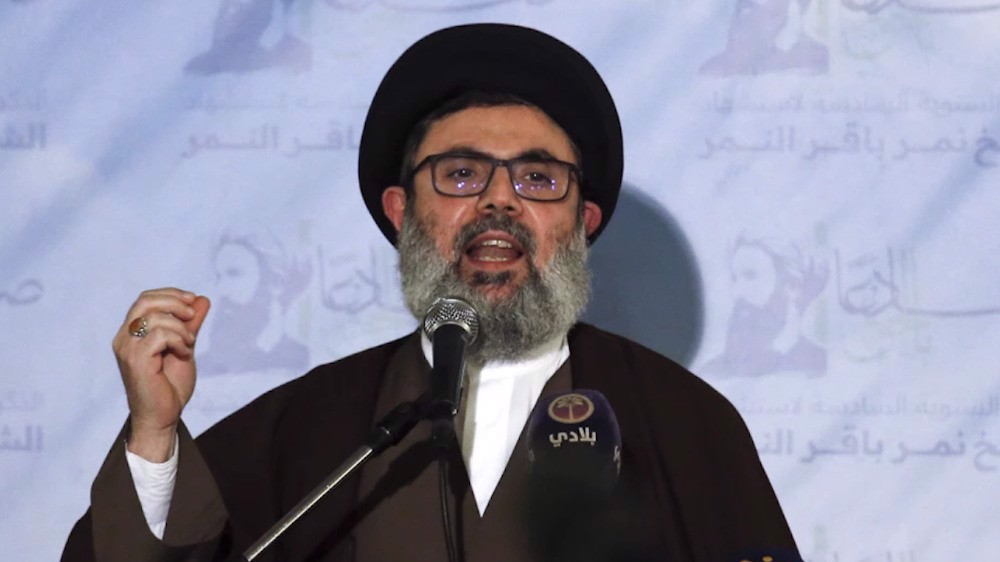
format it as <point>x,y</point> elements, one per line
<point>691,487</point>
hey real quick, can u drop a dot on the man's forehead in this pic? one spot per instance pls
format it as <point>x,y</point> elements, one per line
<point>504,131</point>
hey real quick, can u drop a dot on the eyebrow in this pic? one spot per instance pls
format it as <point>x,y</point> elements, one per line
<point>530,153</point>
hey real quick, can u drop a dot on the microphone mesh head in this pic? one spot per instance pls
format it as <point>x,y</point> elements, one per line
<point>449,310</point>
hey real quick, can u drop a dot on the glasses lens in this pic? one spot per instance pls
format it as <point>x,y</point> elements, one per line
<point>461,175</point>
<point>543,179</point>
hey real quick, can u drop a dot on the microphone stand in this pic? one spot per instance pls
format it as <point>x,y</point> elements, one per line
<point>447,395</point>
<point>458,324</point>
<point>389,431</point>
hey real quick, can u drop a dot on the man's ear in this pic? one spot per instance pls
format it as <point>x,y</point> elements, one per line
<point>394,205</point>
<point>591,217</point>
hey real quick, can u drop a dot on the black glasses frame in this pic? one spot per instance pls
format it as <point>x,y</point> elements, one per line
<point>432,160</point>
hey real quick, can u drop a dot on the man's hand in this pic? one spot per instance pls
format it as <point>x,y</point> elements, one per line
<point>157,365</point>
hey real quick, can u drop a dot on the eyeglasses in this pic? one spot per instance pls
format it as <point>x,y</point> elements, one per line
<point>464,174</point>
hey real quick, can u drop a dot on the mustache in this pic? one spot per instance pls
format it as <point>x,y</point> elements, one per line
<point>502,223</point>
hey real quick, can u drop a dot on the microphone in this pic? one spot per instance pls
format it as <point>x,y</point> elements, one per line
<point>574,459</point>
<point>452,325</point>
<point>575,436</point>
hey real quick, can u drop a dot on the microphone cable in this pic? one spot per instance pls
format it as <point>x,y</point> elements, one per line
<point>444,437</point>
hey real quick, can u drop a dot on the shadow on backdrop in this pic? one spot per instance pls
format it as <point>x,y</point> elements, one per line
<point>646,282</point>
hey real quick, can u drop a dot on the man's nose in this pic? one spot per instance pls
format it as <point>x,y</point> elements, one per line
<point>500,195</point>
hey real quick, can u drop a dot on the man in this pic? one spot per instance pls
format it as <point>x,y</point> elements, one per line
<point>767,36</point>
<point>257,282</point>
<point>774,282</point>
<point>237,40</point>
<point>491,155</point>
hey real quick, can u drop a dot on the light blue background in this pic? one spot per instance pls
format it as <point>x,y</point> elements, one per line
<point>836,158</point>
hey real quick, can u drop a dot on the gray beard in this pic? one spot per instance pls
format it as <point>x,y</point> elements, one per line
<point>544,308</point>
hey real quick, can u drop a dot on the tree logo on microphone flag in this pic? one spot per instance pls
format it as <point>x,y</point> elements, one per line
<point>571,408</point>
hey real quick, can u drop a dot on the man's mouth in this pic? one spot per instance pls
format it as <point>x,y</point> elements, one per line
<point>494,247</point>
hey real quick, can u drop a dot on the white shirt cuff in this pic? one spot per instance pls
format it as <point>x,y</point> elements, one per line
<point>154,484</point>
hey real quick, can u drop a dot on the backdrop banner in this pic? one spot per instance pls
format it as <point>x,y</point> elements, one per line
<point>808,223</point>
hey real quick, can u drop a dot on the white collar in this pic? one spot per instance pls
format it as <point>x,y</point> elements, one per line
<point>498,401</point>
<point>555,351</point>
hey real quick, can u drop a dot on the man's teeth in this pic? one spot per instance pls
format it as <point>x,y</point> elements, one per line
<point>497,243</point>
<point>503,255</point>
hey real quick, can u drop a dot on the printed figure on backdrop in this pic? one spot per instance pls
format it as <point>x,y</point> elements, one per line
<point>425,5</point>
<point>257,283</point>
<point>356,281</point>
<point>774,283</point>
<point>769,36</point>
<point>252,35</point>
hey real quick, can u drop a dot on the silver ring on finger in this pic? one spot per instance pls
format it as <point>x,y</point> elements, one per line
<point>138,327</point>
